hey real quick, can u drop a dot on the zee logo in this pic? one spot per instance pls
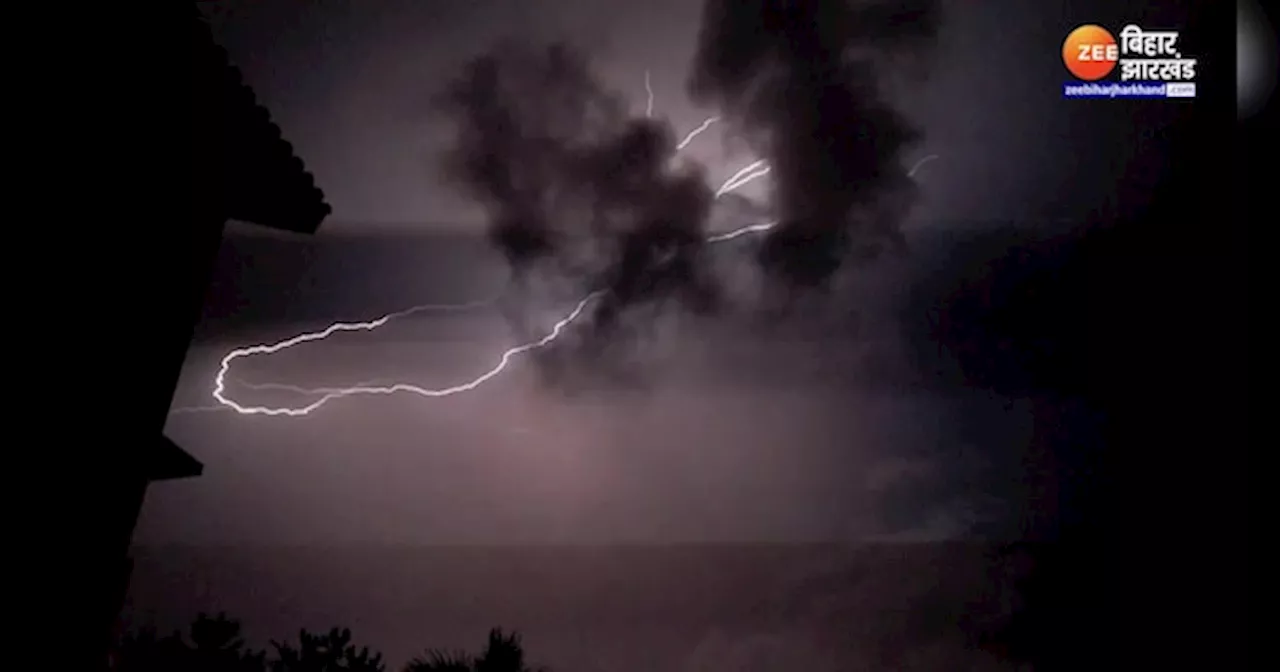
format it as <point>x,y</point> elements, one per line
<point>1090,53</point>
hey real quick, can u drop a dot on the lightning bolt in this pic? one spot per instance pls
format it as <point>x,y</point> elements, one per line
<point>297,389</point>
<point>706,123</point>
<point>745,175</point>
<point>921,162</point>
<point>752,171</point>
<point>648,90</point>
<point>219,389</point>
<point>759,168</point>
<point>753,228</point>
<point>648,113</point>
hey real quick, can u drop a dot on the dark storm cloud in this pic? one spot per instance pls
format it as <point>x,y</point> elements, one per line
<point>574,186</point>
<point>802,82</point>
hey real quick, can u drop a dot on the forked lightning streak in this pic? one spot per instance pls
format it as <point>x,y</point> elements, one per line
<point>744,176</point>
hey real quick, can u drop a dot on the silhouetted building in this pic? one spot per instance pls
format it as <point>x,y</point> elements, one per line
<point>242,169</point>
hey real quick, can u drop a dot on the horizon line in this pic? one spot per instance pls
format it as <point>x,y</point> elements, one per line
<point>432,228</point>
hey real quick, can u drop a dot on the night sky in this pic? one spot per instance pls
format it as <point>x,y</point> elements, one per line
<point>350,87</point>
<point>824,427</point>
<point>836,420</point>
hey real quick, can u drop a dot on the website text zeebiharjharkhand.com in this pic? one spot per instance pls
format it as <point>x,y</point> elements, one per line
<point>1115,90</point>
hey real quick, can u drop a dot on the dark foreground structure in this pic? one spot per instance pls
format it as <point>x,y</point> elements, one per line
<point>241,169</point>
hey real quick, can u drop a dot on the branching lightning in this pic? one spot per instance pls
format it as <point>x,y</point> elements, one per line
<point>745,175</point>
<point>219,390</point>
<point>754,170</point>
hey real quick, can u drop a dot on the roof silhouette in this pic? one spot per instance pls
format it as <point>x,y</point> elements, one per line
<point>242,169</point>
<point>261,180</point>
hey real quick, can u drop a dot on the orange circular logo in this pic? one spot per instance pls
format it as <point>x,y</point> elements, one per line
<point>1090,53</point>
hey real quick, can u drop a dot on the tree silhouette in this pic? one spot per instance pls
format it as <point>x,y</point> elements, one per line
<point>441,661</point>
<point>216,644</point>
<point>503,653</point>
<point>328,652</point>
<point>144,651</point>
<point>213,644</point>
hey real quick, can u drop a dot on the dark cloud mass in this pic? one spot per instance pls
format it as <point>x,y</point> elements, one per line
<point>802,82</point>
<point>575,187</point>
<point>572,185</point>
